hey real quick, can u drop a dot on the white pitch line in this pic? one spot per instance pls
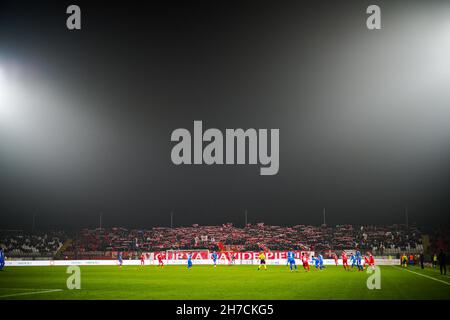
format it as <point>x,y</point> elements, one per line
<point>423,275</point>
<point>35,289</point>
<point>28,293</point>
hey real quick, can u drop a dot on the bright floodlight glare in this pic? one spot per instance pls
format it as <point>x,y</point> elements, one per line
<point>6,92</point>
<point>12,97</point>
<point>3,90</point>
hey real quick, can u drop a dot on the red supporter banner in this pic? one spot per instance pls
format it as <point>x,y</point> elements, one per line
<point>205,255</point>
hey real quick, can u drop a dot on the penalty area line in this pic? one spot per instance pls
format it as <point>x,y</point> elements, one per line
<point>29,293</point>
<point>424,275</point>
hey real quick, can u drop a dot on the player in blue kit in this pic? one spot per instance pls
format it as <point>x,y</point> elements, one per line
<point>2,259</point>
<point>120,258</point>
<point>189,262</point>
<point>352,260</point>
<point>291,260</point>
<point>214,258</point>
<point>359,261</point>
<point>320,258</point>
<point>315,261</point>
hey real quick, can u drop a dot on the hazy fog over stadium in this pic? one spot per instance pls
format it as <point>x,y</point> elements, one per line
<point>86,116</point>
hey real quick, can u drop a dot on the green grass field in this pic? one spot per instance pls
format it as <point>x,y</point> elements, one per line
<point>224,282</point>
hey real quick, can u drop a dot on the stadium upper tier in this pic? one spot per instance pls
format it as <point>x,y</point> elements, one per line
<point>381,240</point>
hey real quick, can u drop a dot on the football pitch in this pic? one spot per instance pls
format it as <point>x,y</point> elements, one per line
<point>223,282</point>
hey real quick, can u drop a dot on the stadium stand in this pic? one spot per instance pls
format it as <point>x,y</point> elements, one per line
<point>17,243</point>
<point>104,243</point>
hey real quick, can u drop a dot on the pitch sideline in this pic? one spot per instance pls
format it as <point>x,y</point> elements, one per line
<point>28,293</point>
<point>423,275</point>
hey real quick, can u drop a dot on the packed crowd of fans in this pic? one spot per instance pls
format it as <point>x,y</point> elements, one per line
<point>381,240</point>
<point>19,243</point>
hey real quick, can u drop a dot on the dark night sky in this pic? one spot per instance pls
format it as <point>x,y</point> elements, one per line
<point>364,116</point>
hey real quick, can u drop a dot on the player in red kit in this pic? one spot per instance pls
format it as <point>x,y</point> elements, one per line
<point>366,262</point>
<point>336,259</point>
<point>142,259</point>
<point>371,261</point>
<point>344,260</point>
<point>305,261</point>
<point>160,260</point>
